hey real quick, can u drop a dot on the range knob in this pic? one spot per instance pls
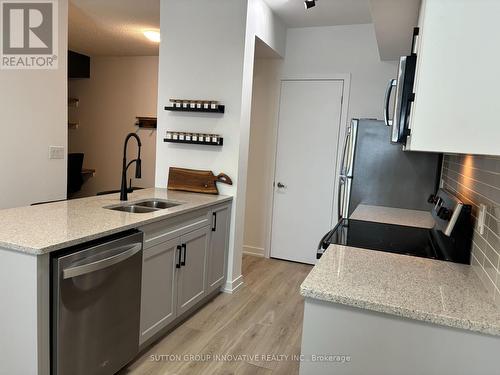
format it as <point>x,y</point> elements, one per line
<point>444,213</point>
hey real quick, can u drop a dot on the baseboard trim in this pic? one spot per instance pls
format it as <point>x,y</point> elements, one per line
<point>233,286</point>
<point>254,251</point>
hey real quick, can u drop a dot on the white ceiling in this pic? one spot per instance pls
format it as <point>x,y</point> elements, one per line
<point>113,27</point>
<point>325,13</point>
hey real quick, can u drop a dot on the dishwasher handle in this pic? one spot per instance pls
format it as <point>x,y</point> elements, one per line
<point>83,269</point>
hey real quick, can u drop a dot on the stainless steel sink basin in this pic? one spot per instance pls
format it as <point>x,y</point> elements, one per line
<point>133,209</point>
<point>158,204</point>
<point>145,206</point>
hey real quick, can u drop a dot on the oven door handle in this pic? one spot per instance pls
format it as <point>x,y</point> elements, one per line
<point>328,234</point>
<point>83,269</point>
<point>388,91</point>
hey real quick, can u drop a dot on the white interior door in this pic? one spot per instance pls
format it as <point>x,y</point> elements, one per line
<point>305,178</point>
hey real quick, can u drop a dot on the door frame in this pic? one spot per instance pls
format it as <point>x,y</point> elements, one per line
<point>346,90</point>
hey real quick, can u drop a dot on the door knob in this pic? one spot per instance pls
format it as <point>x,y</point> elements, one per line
<point>281,186</point>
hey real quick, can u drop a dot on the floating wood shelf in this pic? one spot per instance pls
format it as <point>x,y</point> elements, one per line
<point>219,109</point>
<point>73,102</point>
<point>219,143</point>
<point>73,125</point>
<point>146,122</point>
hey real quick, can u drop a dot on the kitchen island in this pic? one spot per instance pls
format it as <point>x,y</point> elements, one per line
<point>31,236</point>
<point>396,314</point>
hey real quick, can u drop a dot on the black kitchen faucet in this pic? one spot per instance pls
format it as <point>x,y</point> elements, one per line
<point>123,190</point>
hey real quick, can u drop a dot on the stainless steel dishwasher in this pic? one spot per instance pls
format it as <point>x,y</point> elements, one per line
<point>96,295</point>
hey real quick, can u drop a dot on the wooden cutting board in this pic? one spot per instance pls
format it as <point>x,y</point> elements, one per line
<point>195,181</point>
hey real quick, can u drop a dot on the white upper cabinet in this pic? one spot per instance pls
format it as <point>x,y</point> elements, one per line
<point>457,99</point>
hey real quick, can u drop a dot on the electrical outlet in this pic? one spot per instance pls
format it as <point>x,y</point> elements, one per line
<point>481,218</point>
<point>56,152</point>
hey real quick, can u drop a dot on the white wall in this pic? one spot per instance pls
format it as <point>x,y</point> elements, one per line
<point>262,24</point>
<point>261,158</point>
<point>393,23</point>
<point>323,51</point>
<point>33,111</point>
<point>119,89</point>
<point>207,52</point>
<point>319,52</point>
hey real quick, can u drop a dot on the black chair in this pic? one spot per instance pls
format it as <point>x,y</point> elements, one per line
<point>75,178</point>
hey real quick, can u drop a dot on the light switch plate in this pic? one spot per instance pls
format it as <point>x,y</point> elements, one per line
<point>56,152</point>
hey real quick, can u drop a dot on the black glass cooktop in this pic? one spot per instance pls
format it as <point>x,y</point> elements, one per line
<point>398,239</point>
<point>390,238</point>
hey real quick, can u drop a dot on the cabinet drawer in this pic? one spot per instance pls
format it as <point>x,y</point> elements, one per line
<point>168,229</point>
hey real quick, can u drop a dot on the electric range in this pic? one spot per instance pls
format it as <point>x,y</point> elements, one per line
<point>449,239</point>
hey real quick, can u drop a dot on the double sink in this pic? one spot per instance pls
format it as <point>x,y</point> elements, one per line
<point>145,206</point>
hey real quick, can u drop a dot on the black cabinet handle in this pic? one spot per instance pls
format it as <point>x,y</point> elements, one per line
<point>214,228</point>
<point>178,264</point>
<point>183,262</point>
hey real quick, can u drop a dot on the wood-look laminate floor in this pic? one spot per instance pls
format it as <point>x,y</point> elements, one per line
<point>254,331</point>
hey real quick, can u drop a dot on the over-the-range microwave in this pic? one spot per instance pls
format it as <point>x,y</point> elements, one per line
<point>404,95</point>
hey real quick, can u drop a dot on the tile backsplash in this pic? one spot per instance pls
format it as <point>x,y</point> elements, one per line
<point>476,179</point>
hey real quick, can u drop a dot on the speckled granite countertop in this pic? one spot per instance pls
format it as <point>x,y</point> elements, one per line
<point>390,215</point>
<point>53,226</point>
<point>429,290</point>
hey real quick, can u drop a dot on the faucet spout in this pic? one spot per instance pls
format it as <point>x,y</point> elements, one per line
<point>138,164</point>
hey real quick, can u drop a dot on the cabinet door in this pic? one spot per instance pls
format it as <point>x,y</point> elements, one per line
<point>158,299</point>
<point>191,286</point>
<point>217,254</point>
<point>456,86</point>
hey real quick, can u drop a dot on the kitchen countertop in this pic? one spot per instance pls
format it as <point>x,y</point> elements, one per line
<point>428,290</point>
<point>391,215</point>
<point>44,228</point>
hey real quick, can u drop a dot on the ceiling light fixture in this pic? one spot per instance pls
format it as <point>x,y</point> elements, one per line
<point>309,3</point>
<point>152,35</point>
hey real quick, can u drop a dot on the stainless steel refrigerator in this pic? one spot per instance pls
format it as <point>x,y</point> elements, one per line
<point>377,172</point>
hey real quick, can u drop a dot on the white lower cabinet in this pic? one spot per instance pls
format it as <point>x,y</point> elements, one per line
<point>217,251</point>
<point>181,266</point>
<point>191,275</point>
<point>158,298</point>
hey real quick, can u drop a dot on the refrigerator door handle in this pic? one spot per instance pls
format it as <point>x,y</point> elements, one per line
<point>343,167</point>
<point>340,201</point>
<point>388,91</point>
<point>351,148</point>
